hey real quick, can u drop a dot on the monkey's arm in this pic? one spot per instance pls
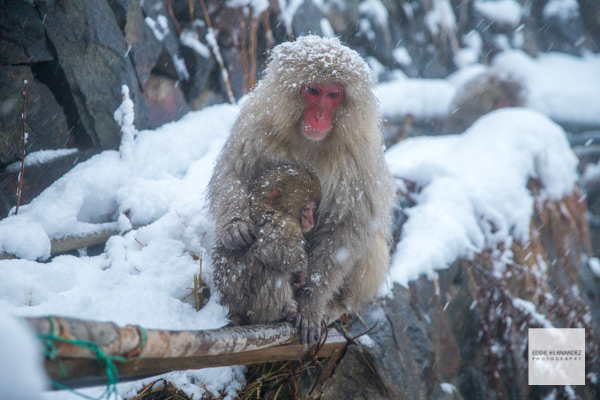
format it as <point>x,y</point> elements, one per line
<point>229,204</point>
<point>330,261</point>
<point>228,195</point>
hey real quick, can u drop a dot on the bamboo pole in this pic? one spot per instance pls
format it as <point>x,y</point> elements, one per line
<point>70,243</point>
<point>152,351</point>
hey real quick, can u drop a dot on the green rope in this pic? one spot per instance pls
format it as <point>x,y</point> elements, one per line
<point>112,373</point>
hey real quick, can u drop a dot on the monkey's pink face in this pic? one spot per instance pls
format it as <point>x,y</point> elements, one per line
<point>320,101</point>
<point>307,217</point>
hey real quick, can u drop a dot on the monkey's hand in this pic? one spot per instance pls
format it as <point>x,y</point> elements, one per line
<point>308,321</point>
<point>237,234</point>
<point>290,311</point>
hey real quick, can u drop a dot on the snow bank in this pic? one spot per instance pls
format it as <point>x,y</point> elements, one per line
<point>163,173</point>
<point>21,373</point>
<point>161,186</point>
<point>40,157</point>
<point>440,17</point>
<point>473,187</point>
<point>505,12</point>
<point>563,9</point>
<point>563,87</point>
<point>423,98</point>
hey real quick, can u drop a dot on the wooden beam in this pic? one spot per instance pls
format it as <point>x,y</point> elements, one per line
<point>70,243</point>
<point>166,351</point>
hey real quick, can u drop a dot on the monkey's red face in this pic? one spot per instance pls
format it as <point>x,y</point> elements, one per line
<point>320,101</point>
<point>307,218</point>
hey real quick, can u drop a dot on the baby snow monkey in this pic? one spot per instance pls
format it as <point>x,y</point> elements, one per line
<point>257,283</point>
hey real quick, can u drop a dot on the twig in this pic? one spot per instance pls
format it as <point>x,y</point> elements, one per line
<point>23,143</point>
<point>199,285</point>
<point>172,15</point>
<point>191,9</point>
<point>197,292</point>
<point>244,47</point>
<point>268,31</point>
<point>208,392</point>
<point>212,41</point>
<point>253,46</point>
<point>200,301</point>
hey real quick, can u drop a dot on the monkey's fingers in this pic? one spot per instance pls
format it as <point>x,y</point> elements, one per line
<point>301,328</point>
<point>239,234</point>
<point>308,332</point>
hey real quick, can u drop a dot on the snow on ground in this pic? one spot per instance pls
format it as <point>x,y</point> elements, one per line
<point>468,182</point>
<point>141,277</point>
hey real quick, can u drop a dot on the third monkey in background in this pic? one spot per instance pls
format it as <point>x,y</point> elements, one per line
<point>257,283</point>
<point>315,109</point>
<point>482,94</point>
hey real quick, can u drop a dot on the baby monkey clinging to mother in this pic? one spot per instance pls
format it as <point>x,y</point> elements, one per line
<point>257,283</point>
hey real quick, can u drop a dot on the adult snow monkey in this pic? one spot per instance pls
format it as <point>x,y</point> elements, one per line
<point>315,109</point>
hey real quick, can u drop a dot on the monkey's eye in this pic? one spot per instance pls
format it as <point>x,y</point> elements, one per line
<point>305,209</point>
<point>311,90</point>
<point>333,95</point>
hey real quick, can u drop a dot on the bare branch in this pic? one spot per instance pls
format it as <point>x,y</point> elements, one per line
<point>24,143</point>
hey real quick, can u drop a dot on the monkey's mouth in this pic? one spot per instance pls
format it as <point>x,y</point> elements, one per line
<point>306,229</point>
<point>315,134</point>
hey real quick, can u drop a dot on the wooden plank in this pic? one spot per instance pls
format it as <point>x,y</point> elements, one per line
<point>166,351</point>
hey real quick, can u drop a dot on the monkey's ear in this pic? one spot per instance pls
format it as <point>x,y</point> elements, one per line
<point>276,194</point>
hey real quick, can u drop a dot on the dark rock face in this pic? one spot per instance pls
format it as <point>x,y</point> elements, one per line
<point>46,124</point>
<point>346,386</point>
<point>559,29</point>
<point>199,68</point>
<point>36,178</point>
<point>307,20</point>
<point>22,36</point>
<point>92,53</point>
<point>157,15</point>
<point>144,49</point>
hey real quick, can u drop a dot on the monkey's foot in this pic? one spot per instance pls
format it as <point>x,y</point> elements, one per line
<point>309,328</point>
